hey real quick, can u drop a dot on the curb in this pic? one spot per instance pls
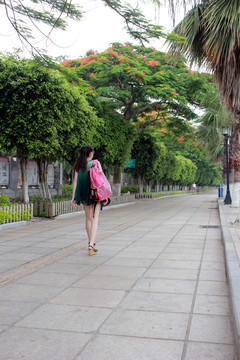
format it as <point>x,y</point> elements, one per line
<point>82,211</point>
<point>233,275</point>
<point>13,225</point>
<point>167,196</point>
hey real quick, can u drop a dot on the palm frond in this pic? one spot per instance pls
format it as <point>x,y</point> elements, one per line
<point>175,5</point>
<point>192,28</point>
<point>215,116</point>
<point>211,29</point>
<point>222,48</point>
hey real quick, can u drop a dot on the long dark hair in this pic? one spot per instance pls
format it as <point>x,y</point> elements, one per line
<point>81,162</point>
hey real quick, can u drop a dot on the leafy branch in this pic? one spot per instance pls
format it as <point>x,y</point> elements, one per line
<point>136,24</point>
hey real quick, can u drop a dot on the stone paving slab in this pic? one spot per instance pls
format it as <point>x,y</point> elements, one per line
<point>65,318</point>
<point>200,351</point>
<point>231,240</point>
<point>212,288</point>
<point>180,274</point>
<point>156,290</point>
<point>212,304</point>
<point>90,297</point>
<point>147,324</point>
<point>107,282</point>
<point>36,344</point>
<point>52,279</point>
<point>31,293</point>
<point>168,286</point>
<point>139,300</point>
<point>177,264</point>
<point>107,347</point>
<point>13,311</point>
<point>211,329</point>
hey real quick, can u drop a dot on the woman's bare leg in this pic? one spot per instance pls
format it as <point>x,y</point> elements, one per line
<point>88,223</point>
<point>92,222</point>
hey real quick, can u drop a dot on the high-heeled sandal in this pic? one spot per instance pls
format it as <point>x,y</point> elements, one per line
<point>91,250</point>
<point>93,246</point>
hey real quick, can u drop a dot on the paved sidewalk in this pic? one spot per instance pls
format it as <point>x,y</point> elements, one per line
<point>231,241</point>
<point>231,214</point>
<point>156,290</point>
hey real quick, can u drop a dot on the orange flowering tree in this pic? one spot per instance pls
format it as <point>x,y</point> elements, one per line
<point>138,79</point>
<point>152,90</point>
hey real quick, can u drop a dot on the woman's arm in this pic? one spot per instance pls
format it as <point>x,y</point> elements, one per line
<point>74,188</point>
<point>99,166</point>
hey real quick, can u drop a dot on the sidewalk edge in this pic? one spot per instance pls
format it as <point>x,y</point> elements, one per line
<point>81,212</point>
<point>233,275</point>
<point>13,225</point>
<point>104,209</point>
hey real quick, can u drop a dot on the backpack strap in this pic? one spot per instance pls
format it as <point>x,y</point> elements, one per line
<point>95,163</point>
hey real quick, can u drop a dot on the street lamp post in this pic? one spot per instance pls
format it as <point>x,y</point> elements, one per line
<point>227,133</point>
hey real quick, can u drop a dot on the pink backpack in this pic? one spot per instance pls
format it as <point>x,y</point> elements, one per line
<point>100,187</point>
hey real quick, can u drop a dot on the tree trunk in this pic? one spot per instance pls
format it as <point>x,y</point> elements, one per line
<point>117,181</point>
<point>234,165</point>
<point>41,178</point>
<point>45,169</point>
<point>140,184</point>
<point>149,187</point>
<point>24,170</point>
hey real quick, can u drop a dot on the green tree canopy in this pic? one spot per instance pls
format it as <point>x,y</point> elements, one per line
<point>116,139</point>
<point>139,79</point>
<point>154,162</point>
<point>40,111</point>
<point>150,156</point>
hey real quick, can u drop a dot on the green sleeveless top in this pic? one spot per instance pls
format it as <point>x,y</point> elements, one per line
<point>82,193</point>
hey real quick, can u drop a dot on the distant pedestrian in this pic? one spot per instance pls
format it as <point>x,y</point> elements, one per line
<point>81,194</point>
<point>194,187</point>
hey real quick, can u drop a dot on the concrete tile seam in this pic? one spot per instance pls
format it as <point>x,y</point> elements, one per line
<point>154,335</point>
<point>125,248</point>
<point>191,314</point>
<point>34,265</point>
<point>234,286</point>
<point>163,338</point>
<point>42,261</point>
<point>117,307</point>
<point>142,337</point>
<point>57,330</point>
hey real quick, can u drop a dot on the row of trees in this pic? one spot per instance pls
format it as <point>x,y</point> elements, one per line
<point>45,116</point>
<point>211,32</point>
<point>128,101</point>
<point>39,110</point>
<point>156,93</point>
<point>154,162</point>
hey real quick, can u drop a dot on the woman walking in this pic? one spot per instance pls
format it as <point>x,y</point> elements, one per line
<point>81,194</point>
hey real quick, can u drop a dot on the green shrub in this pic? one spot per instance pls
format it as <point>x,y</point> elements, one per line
<point>132,189</point>
<point>4,217</point>
<point>12,215</point>
<point>4,200</point>
<point>38,199</point>
<point>57,198</point>
<point>67,190</point>
<point>17,199</point>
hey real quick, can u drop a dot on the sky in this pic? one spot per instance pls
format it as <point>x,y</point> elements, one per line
<point>99,27</point>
